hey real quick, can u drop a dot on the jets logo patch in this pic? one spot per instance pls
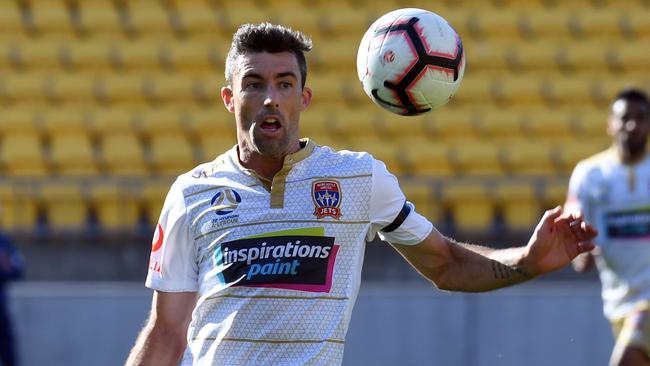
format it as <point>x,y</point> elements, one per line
<point>327,198</point>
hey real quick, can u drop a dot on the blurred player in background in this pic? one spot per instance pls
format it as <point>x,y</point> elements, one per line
<point>612,189</point>
<point>11,268</point>
<point>260,251</point>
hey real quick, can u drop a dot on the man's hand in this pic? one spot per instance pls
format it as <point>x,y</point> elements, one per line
<point>558,239</point>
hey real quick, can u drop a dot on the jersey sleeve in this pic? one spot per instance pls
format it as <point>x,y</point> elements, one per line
<point>576,200</point>
<point>391,215</point>
<point>173,265</point>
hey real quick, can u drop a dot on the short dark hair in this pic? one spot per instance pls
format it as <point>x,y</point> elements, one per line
<point>632,94</point>
<point>267,37</point>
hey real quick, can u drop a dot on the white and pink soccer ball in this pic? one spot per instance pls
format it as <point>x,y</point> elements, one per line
<point>410,61</point>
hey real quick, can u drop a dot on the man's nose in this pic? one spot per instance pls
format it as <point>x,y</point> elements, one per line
<point>271,99</point>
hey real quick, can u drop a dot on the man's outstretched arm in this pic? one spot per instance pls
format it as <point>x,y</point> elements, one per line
<point>557,239</point>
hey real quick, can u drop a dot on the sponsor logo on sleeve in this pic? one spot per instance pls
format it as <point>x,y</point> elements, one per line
<point>156,244</point>
<point>327,198</point>
<point>301,259</point>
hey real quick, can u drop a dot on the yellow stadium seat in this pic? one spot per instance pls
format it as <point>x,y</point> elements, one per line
<point>395,127</point>
<point>121,89</point>
<point>26,87</point>
<point>315,123</point>
<point>171,154</point>
<point>18,208</point>
<point>213,120</point>
<point>606,89</point>
<point>629,56</point>
<point>153,198</point>
<point>328,89</point>
<point>152,121</point>
<point>176,88</point>
<point>139,55</point>
<point>591,123</point>
<point>569,154</point>
<point>71,88</point>
<point>453,123</point>
<point>198,18</point>
<point>40,54</point>
<point>388,152</point>
<point>73,155</point>
<point>526,157</point>
<point>476,158</point>
<point>354,123</point>
<point>334,143</point>
<point>344,17</point>
<point>22,155</point>
<point>100,17</point>
<point>111,120</point>
<point>635,24</point>
<point>10,18</point>
<point>298,15</point>
<point>549,124</point>
<point>122,155</point>
<point>335,54</point>
<point>51,17</point>
<point>569,91</point>
<point>499,124</point>
<point>91,54</point>
<point>583,56</point>
<point>545,22</point>
<point>597,23</point>
<point>496,24</point>
<point>474,90</point>
<point>149,17</point>
<point>64,120</point>
<point>65,206</point>
<point>428,158</point>
<point>513,91</point>
<point>519,205</point>
<point>236,13</point>
<point>212,146</point>
<point>116,206</point>
<point>532,56</point>
<point>18,120</point>
<point>554,193</point>
<point>471,207</point>
<point>486,54</point>
<point>190,56</point>
<point>422,195</point>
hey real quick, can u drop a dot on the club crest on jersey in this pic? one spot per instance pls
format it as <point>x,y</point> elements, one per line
<point>327,198</point>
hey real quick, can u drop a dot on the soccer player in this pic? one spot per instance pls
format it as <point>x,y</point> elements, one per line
<point>612,188</point>
<point>257,255</point>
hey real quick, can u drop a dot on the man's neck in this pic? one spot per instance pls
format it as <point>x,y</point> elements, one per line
<point>265,166</point>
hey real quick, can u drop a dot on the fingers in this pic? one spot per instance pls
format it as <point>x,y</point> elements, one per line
<point>550,216</point>
<point>583,233</point>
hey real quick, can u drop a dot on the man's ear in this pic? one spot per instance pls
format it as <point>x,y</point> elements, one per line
<point>306,98</point>
<point>227,97</point>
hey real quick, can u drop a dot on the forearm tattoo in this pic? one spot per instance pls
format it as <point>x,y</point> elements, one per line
<point>505,272</point>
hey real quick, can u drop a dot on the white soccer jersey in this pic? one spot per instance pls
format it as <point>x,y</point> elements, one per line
<point>616,198</point>
<point>277,266</point>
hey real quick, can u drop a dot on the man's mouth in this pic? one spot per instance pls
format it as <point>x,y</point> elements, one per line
<point>270,124</point>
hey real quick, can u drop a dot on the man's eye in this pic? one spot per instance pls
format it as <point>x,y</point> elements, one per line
<point>286,85</point>
<point>253,86</point>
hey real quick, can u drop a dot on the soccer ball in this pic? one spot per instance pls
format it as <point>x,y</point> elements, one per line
<point>410,61</point>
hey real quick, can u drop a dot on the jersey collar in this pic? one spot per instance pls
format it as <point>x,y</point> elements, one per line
<point>277,186</point>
